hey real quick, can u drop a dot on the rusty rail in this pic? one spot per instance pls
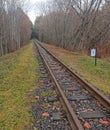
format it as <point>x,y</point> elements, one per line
<point>94,92</point>
<point>72,117</point>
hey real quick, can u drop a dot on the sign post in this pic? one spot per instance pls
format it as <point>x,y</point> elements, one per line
<point>94,54</point>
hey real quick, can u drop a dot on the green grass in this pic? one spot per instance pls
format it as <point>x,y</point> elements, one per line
<point>47,92</point>
<point>98,76</point>
<point>17,78</point>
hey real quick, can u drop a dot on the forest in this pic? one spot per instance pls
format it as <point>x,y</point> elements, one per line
<point>77,25</point>
<point>15,26</point>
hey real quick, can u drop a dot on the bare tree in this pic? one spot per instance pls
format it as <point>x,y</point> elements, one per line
<point>75,24</point>
<point>12,33</point>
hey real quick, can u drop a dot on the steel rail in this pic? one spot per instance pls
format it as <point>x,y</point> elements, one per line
<point>72,117</point>
<point>94,92</point>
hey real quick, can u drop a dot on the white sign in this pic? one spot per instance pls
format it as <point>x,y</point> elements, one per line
<point>93,52</point>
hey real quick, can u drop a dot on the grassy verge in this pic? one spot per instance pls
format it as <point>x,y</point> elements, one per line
<point>84,65</point>
<point>17,79</point>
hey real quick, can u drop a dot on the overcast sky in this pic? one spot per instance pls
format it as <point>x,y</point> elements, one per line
<point>33,11</point>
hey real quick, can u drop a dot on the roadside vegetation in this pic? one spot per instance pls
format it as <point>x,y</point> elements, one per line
<point>17,80</point>
<point>98,76</point>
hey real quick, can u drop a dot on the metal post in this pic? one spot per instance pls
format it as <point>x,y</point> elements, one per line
<point>96,58</point>
<point>94,55</point>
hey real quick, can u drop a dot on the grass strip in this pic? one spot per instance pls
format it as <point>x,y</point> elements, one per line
<point>17,79</point>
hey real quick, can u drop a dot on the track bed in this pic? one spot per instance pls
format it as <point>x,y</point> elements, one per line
<point>84,106</point>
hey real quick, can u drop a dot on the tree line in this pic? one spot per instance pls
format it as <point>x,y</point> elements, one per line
<point>15,26</point>
<point>75,24</point>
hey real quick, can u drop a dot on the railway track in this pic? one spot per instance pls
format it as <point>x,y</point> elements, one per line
<point>85,106</point>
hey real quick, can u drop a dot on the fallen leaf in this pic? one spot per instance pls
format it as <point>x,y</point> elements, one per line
<point>104,122</point>
<point>87,125</point>
<point>45,114</point>
<point>37,97</point>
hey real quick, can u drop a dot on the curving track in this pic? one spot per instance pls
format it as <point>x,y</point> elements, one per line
<point>86,107</point>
